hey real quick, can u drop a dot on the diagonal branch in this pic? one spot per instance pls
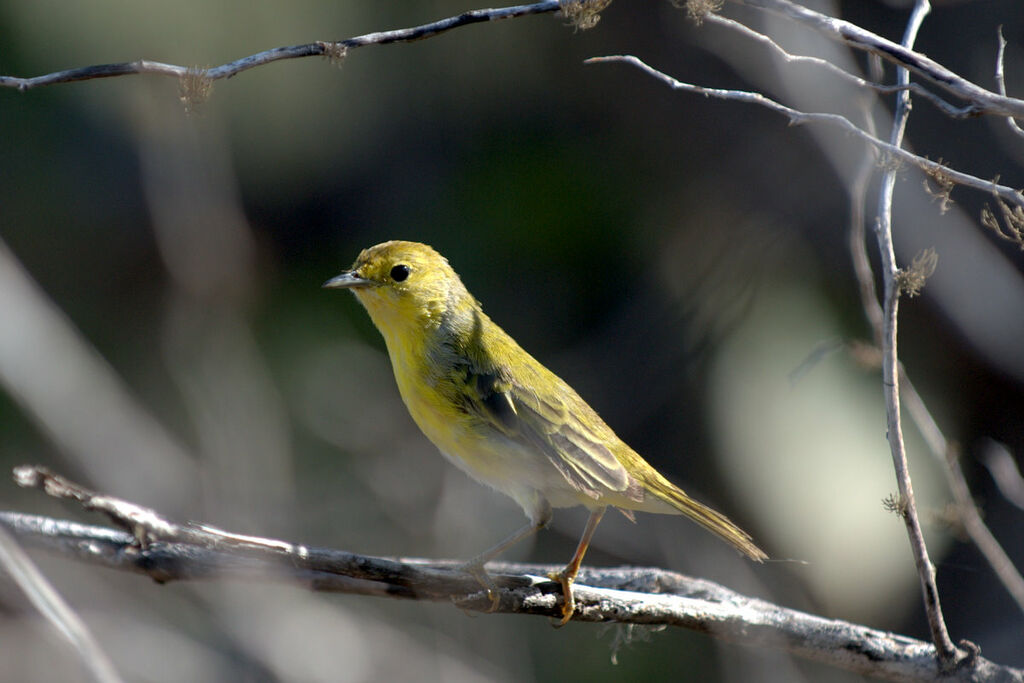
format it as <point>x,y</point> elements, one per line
<point>985,101</point>
<point>797,117</point>
<point>948,109</point>
<point>332,49</point>
<point>166,551</point>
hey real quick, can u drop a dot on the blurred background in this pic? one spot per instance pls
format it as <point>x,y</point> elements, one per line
<point>678,260</point>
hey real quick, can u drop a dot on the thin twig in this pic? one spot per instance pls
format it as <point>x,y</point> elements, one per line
<point>986,101</point>
<point>916,408</point>
<point>318,48</point>
<point>857,242</point>
<point>797,117</point>
<point>979,100</point>
<point>947,651</point>
<point>967,111</point>
<point>949,462</point>
<point>1001,82</point>
<point>984,540</point>
<point>967,510</point>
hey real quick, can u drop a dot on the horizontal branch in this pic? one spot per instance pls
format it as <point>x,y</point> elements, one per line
<point>979,100</point>
<point>796,117</point>
<point>984,101</point>
<point>619,595</point>
<point>318,48</point>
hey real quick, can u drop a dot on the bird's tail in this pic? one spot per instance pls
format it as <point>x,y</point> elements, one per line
<point>712,520</point>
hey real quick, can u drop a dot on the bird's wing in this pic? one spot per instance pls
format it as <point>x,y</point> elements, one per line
<point>558,424</point>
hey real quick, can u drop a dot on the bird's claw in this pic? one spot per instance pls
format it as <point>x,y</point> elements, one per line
<point>569,603</point>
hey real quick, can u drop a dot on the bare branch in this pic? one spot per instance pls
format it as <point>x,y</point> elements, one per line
<point>979,100</point>
<point>857,242</point>
<point>1001,82</point>
<point>967,111</point>
<point>985,101</point>
<point>624,595</point>
<point>999,462</point>
<point>319,48</point>
<point>891,277</point>
<point>981,536</point>
<point>911,400</point>
<point>797,117</point>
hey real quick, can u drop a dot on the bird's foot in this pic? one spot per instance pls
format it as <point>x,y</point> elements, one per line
<point>569,604</point>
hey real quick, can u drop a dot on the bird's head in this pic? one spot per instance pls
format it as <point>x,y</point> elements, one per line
<point>403,285</point>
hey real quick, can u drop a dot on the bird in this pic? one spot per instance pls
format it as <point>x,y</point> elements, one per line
<point>497,413</point>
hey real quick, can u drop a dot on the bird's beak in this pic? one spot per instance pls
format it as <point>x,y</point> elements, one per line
<point>347,280</point>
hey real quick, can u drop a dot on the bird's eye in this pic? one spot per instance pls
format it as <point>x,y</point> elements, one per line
<point>399,273</point>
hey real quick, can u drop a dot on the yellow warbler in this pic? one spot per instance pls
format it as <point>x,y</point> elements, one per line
<point>501,416</point>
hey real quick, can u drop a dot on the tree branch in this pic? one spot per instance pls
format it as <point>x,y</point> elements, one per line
<point>166,551</point>
<point>948,109</point>
<point>936,441</point>
<point>892,290</point>
<point>984,101</point>
<point>884,318</point>
<point>333,49</point>
<point>797,117</point>
<point>1001,82</point>
<point>857,242</point>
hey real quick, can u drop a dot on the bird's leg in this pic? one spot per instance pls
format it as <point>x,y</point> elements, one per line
<point>568,575</point>
<point>475,566</point>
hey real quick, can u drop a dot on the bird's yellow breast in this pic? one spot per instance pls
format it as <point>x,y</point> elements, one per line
<point>431,393</point>
<point>426,389</point>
